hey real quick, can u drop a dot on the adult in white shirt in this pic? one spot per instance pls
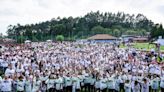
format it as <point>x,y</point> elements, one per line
<point>59,83</point>
<point>36,84</point>
<point>20,84</point>
<point>6,85</point>
<point>50,83</point>
<point>9,71</point>
<point>111,84</point>
<point>162,83</point>
<point>136,87</point>
<point>76,83</point>
<point>28,84</point>
<point>103,83</point>
<point>68,83</point>
<point>127,86</point>
<point>145,86</point>
<point>97,83</point>
<point>155,83</point>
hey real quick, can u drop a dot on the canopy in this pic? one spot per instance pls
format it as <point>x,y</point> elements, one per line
<point>27,41</point>
<point>159,41</point>
<point>49,40</point>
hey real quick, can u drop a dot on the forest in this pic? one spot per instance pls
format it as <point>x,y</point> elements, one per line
<point>92,23</point>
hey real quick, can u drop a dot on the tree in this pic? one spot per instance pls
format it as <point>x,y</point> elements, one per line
<point>97,30</point>
<point>58,29</point>
<point>90,24</point>
<point>130,32</point>
<point>116,32</point>
<point>60,38</point>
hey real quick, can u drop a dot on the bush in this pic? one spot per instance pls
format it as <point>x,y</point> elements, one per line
<point>60,38</point>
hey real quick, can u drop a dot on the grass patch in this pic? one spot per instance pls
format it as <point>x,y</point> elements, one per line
<point>145,46</point>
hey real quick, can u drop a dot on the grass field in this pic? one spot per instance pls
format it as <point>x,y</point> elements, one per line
<point>145,46</point>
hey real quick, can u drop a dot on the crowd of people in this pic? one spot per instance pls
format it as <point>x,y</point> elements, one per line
<point>79,67</point>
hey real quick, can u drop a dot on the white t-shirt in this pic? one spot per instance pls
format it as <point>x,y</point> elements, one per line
<point>20,85</point>
<point>36,86</point>
<point>103,83</point>
<point>9,72</point>
<point>162,82</point>
<point>127,87</point>
<point>145,87</point>
<point>68,81</point>
<point>111,83</point>
<point>50,83</point>
<point>6,85</point>
<point>28,86</point>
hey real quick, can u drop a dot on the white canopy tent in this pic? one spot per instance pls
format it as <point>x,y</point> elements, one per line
<point>159,41</point>
<point>49,40</point>
<point>27,41</point>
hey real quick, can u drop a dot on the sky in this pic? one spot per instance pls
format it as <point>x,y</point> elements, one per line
<point>35,11</point>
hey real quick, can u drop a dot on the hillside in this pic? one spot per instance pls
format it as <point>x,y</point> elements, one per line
<point>92,23</point>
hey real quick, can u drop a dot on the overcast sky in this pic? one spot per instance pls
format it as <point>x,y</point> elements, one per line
<point>34,11</point>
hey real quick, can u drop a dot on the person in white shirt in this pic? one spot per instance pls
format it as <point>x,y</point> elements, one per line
<point>76,83</point>
<point>9,71</point>
<point>50,82</point>
<point>68,83</point>
<point>36,84</point>
<point>136,87</point>
<point>59,83</point>
<point>20,83</point>
<point>97,83</point>
<point>155,83</point>
<point>162,83</point>
<point>92,82</point>
<point>145,86</point>
<point>127,86</point>
<point>6,85</point>
<point>87,80</point>
<point>28,84</point>
<point>111,84</point>
<point>103,83</point>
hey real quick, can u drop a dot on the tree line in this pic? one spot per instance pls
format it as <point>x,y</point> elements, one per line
<point>92,23</point>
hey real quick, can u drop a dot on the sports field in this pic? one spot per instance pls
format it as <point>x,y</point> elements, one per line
<point>144,46</point>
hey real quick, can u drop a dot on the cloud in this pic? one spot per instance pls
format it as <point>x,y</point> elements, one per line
<point>33,11</point>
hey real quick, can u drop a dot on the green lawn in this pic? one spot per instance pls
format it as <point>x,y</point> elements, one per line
<point>145,46</point>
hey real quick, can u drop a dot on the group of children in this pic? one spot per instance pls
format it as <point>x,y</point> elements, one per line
<point>79,67</point>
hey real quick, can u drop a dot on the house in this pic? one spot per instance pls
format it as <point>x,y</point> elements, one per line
<point>103,38</point>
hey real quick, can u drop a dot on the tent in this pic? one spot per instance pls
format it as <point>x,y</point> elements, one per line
<point>27,41</point>
<point>49,40</point>
<point>159,41</point>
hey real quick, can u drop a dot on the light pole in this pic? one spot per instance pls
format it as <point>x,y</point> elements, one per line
<point>21,33</point>
<point>33,33</point>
